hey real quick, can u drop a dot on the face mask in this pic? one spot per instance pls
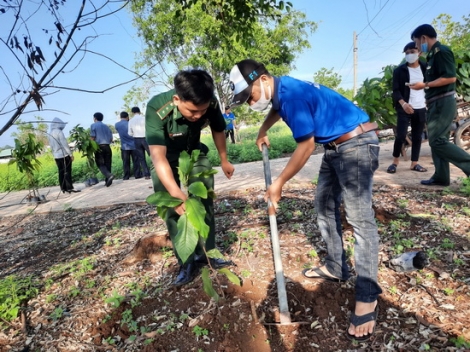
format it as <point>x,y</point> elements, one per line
<point>262,103</point>
<point>411,58</point>
<point>424,47</point>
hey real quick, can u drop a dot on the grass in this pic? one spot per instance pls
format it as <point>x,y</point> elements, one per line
<point>244,151</point>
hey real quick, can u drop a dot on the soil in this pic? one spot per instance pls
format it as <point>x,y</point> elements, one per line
<point>98,291</point>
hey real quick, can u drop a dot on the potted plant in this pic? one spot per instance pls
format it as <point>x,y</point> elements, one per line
<point>25,157</point>
<point>85,145</point>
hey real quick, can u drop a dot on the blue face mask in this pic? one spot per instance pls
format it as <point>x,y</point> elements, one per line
<point>424,47</point>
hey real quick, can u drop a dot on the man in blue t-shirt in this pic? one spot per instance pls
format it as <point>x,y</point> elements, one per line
<point>317,114</point>
<point>229,117</point>
<point>127,147</point>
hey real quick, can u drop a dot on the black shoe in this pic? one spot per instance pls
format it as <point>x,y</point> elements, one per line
<point>186,274</point>
<point>74,190</point>
<point>109,181</point>
<point>433,182</point>
<point>216,263</point>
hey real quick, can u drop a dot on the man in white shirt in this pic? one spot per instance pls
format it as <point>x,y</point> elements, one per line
<point>137,130</point>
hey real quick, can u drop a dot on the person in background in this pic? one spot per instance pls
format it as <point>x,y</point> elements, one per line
<point>410,106</point>
<point>229,117</point>
<point>439,90</point>
<point>137,130</point>
<point>127,146</point>
<point>173,122</point>
<point>102,135</point>
<point>317,114</point>
<point>62,154</point>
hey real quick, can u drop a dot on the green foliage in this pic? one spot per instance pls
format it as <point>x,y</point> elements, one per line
<point>460,342</point>
<point>462,61</point>
<point>198,331</point>
<point>115,300</point>
<point>327,78</point>
<point>207,285</point>
<point>375,98</point>
<point>86,146</point>
<point>246,150</point>
<point>207,35</point>
<point>191,226</point>
<point>25,157</point>
<point>14,292</point>
<point>26,128</point>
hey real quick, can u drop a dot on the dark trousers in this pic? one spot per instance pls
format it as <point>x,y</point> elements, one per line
<point>440,115</point>
<point>232,135</point>
<point>141,147</point>
<point>65,173</point>
<point>417,121</point>
<point>171,219</point>
<point>103,158</point>
<point>126,156</point>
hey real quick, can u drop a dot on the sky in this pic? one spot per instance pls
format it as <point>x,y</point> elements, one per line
<point>383,27</point>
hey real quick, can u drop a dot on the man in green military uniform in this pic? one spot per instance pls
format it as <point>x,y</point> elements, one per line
<point>173,123</point>
<point>439,86</point>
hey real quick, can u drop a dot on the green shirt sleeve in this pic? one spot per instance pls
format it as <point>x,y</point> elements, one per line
<point>444,63</point>
<point>154,124</point>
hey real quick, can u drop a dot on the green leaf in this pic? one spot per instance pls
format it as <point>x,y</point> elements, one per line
<point>198,189</point>
<point>163,199</point>
<point>231,276</point>
<point>215,253</point>
<point>207,285</point>
<point>184,167</point>
<point>186,239</point>
<point>211,193</point>
<point>162,212</point>
<point>205,173</point>
<point>196,214</point>
<point>195,155</point>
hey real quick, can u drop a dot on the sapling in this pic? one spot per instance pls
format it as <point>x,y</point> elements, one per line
<point>192,228</point>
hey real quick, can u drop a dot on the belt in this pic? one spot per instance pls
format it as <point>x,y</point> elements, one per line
<point>443,95</point>
<point>362,128</point>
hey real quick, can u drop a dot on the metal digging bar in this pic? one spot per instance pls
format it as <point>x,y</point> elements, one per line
<point>281,285</point>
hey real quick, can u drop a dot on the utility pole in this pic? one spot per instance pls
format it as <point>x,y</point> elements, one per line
<point>355,63</point>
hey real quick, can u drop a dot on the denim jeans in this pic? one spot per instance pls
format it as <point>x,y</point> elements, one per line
<point>346,175</point>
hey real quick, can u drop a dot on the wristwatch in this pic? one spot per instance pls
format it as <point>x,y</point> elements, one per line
<point>426,85</point>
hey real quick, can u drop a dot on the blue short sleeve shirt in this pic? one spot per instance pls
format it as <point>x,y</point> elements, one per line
<point>313,110</point>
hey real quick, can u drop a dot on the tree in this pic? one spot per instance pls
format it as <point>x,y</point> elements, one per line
<point>208,40</point>
<point>454,34</point>
<point>332,80</point>
<point>327,78</point>
<point>30,67</point>
<point>36,128</point>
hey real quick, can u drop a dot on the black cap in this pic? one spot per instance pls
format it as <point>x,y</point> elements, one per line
<point>242,77</point>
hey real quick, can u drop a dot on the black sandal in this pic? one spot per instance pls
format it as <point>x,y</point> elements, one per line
<point>392,169</point>
<point>357,320</point>
<point>419,168</point>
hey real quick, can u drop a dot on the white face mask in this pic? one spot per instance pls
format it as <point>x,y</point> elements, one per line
<point>262,102</point>
<point>411,58</point>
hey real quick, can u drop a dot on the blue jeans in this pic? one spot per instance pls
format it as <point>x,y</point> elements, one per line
<point>346,174</point>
